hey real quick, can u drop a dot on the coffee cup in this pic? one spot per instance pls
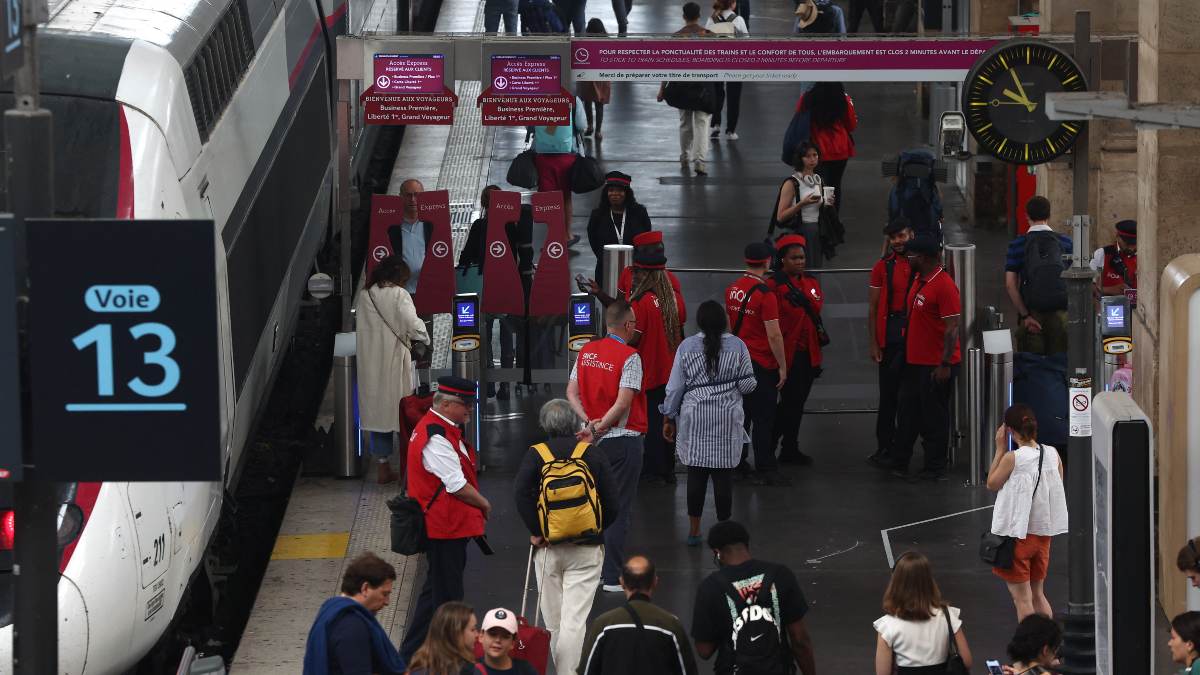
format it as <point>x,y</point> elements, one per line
<point>829,192</point>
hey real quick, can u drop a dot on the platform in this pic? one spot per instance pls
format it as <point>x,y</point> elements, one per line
<point>833,527</point>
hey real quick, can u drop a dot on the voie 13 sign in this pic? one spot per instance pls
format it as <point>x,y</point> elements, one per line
<point>125,367</point>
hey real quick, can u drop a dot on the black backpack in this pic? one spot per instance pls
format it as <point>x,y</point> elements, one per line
<point>1042,287</point>
<point>915,195</point>
<point>759,646</point>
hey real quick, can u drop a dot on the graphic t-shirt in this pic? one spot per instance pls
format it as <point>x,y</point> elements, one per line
<point>712,620</point>
<point>761,306</point>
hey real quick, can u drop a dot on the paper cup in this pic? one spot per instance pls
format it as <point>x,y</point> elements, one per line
<point>829,192</point>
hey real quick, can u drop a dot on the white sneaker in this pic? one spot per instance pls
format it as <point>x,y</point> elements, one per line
<point>612,588</point>
<point>731,135</point>
<point>701,169</point>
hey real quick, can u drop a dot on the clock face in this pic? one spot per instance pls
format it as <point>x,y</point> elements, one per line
<point>1004,100</point>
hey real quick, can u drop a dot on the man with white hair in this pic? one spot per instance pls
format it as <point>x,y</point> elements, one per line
<point>567,572</point>
<point>440,460</point>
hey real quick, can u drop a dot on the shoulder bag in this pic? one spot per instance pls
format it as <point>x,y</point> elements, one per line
<point>997,550</point>
<point>385,322</point>
<point>522,172</point>
<point>773,223</point>
<point>799,299</point>
<point>408,523</point>
<point>954,662</point>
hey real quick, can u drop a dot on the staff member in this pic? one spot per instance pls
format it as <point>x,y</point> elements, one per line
<point>891,278</point>
<point>442,475</point>
<point>606,390</point>
<point>931,363</point>
<point>753,312</point>
<point>1117,262</point>
<point>644,244</point>
<point>799,298</point>
<point>617,219</point>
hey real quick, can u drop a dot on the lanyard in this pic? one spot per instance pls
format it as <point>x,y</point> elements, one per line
<point>617,338</point>
<point>612,216</point>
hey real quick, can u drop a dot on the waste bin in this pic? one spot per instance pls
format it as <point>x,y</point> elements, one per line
<point>347,462</point>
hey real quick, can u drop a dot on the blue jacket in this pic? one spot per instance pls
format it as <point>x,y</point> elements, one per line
<point>316,651</point>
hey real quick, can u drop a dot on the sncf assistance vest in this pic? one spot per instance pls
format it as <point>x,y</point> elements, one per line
<point>449,517</point>
<point>599,375</point>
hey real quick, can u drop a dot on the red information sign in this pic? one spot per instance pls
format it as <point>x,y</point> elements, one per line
<point>409,73</point>
<point>386,211</point>
<point>502,291</point>
<point>551,292</point>
<point>522,111</point>
<point>526,75</point>
<point>435,287</point>
<point>432,109</point>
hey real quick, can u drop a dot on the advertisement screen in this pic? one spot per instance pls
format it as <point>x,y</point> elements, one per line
<point>581,314</point>
<point>464,314</point>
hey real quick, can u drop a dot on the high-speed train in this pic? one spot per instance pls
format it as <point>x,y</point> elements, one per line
<point>169,109</point>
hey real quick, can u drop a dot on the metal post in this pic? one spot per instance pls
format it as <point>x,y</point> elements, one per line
<point>616,258</point>
<point>1078,651</point>
<point>347,440</point>
<point>997,399</point>
<point>960,262</point>
<point>28,133</point>
<point>342,201</point>
<point>975,444</point>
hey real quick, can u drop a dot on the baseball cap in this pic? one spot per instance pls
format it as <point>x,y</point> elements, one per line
<point>500,618</point>
<point>758,253</point>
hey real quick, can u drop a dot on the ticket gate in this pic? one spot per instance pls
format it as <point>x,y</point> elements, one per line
<point>466,345</point>
<point>1115,328</point>
<point>583,327</point>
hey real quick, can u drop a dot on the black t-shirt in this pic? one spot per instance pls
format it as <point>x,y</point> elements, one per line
<point>519,667</point>
<point>712,619</point>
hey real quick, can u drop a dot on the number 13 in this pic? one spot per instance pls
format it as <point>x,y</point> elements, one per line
<point>101,336</point>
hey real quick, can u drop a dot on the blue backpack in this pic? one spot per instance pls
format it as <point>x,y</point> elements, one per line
<point>540,16</point>
<point>915,195</point>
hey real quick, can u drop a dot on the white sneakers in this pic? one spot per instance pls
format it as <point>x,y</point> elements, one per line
<point>731,135</point>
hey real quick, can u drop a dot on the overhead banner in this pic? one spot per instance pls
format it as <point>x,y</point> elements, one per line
<point>435,286</point>
<point>387,211</point>
<point>525,90</point>
<point>552,284</point>
<point>502,291</point>
<point>782,60</point>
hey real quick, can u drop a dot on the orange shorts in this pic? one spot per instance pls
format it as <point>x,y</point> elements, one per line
<point>1031,558</point>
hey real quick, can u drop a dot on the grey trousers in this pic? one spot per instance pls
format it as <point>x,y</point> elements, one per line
<point>624,455</point>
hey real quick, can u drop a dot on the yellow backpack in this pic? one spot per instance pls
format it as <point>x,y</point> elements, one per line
<point>568,503</point>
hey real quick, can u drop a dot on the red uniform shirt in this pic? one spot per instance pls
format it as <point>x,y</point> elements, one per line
<point>449,517</point>
<point>625,287</point>
<point>657,355</point>
<point>890,299</point>
<point>930,300</point>
<point>1111,275</point>
<point>799,331</point>
<point>598,371</point>
<point>761,306</point>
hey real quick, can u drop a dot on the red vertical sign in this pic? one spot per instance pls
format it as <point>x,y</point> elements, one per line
<point>551,291</point>
<point>435,287</point>
<point>502,291</point>
<point>386,211</point>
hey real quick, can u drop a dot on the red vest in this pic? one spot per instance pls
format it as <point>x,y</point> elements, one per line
<point>449,517</point>
<point>1112,275</point>
<point>599,374</point>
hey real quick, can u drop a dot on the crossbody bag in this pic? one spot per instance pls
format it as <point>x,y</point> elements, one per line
<point>799,299</point>
<point>385,321</point>
<point>997,549</point>
<point>737,325</point>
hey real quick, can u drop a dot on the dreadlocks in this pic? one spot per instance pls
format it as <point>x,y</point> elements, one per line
<point>657,282</point>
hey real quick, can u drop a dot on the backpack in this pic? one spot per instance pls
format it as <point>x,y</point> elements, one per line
<point>700,96</point>
<point>539,16</point>
<point>759,647</point>
<point>723,26</point>
<point>568,503</point>
<point>1042,287</point>
<point>915,195</point>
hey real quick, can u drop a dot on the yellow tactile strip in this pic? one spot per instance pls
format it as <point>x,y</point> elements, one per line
<point>311,546</point>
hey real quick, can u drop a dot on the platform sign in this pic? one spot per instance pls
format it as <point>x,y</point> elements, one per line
<point>409,73</point>
<point>531,75</point>
<point>12,56</point>
<point>409,89</point>
<point>125,367</point>
<point>10,373</point>
<point>525,90</point>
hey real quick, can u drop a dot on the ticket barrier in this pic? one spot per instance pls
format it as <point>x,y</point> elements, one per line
<point>1123,516</point>
<point>583,327</point>
<point>1115,327</point>
<point>466,347</point>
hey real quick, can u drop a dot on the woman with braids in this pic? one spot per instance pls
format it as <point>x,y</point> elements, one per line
<point>711,373</point>
<point>800,305</point>
<point>658,335</point>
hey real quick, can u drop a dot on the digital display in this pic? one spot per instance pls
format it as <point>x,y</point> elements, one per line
<point>409,73</point>
<point>464,314</point>
<point>1114,317</point>
<point>526,75</point>
<point>581,314</point>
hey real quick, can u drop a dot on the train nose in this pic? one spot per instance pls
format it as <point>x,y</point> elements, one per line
<point>72,627</point>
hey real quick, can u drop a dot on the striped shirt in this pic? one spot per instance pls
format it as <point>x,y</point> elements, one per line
<point>708,409</point>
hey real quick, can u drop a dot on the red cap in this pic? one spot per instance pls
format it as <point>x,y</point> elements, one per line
<point>790,240</point>
<point>648,238</point>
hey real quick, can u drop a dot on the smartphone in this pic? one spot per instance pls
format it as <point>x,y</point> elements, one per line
<point>993,668</point>
<point>581,282</point>
<point>486,548</point>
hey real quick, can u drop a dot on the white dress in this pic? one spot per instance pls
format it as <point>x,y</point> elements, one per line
<point>1019,512</point>
<point>384,362</point>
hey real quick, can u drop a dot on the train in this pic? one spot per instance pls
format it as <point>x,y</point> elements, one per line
<point>183,109</point>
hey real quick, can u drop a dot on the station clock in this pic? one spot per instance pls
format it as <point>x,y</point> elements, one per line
<point>1004,101</point>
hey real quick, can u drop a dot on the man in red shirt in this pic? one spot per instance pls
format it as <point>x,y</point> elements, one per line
<point>754,317</point>
<point>799,298</point>
<point>891,279</point>
<point>931,345</point>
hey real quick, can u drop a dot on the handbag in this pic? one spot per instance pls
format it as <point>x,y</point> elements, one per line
<point>954,662</point>
<point>586,174</point>
<point>522,172</point>
<point>408,523</point>
<point>700,96</point>
<point>831,231</point>
<point>997,549</point>
<point>774,223</point>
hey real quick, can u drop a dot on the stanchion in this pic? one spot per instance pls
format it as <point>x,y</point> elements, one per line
<point>997,395</point>
<point>975,442</point>
<point>616,258</point>
<point>347,440</point>
<point>960,262</point>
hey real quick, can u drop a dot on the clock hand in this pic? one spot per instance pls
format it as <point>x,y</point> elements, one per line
<point>1022,100</point>
<point>1021,88</point>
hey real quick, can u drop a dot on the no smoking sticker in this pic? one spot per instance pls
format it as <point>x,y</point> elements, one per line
<point>1079,419</point>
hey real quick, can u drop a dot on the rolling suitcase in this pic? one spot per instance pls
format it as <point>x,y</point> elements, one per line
<point>533,642</point>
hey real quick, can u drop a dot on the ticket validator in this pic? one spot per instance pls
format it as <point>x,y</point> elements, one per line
<point>466,345</point>
<point>1116,335</point>
<point>583,325</point>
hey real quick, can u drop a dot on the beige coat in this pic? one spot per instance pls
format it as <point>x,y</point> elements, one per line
<point>386,328</point>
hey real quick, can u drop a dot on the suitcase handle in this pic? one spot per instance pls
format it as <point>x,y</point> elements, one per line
<point>537,606</point>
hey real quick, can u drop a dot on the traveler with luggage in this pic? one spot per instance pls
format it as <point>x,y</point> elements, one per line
<point>753,313</point>
<point>800,302</point>
<point>724,20</point>
<point>449,648</point>
<point>498,636</point>
<point>801,195</point>
<point>606,390</point>
<point>695,101</point>
<point>1031,507</point>
<point>1034,646</point>
<point>556,148</point>
<point>639,637</point>
<point>920,632</point>
<point>915,195</point>
<point>1033,278</point>
<point>617,219</point>
<point>1185,642</point>
<point>388,330</point>
<point>891,278</point>
<point>749,612</point>
<point>569,541</point>
<point>833,120</point>
<point>711,373</point>
<point>931,353</point>
<point>1117,262</point>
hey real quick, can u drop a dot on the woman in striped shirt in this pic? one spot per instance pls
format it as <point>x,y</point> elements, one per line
<point>711,373</point>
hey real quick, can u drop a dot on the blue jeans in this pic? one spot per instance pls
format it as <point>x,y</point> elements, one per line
<point>574,13</point>
<point>621,9</point>
<point>380,444</point>
<point>493,10</point>
<point>624,455</point>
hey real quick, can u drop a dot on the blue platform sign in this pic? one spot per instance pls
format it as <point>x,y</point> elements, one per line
<point>12,55</point>
<point>124,353</point>
<point>10,373</point>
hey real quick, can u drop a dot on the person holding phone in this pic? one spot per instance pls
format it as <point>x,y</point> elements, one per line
<point>1031,507</point>
<point>1033,648</point>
